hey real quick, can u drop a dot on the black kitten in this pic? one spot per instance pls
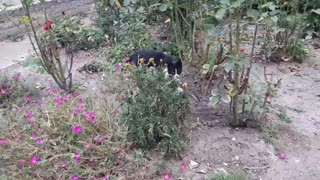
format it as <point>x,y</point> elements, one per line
<point>156,59</point>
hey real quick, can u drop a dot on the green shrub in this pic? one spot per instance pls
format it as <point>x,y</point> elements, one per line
<point>69,32</point>
<point>155,114</point>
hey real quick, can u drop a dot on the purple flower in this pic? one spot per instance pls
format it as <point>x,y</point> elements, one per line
<point>29,116</point>
<point>184,166</point>
<point>34,160</point>
<point>62,164</point>
<point>3,141</point>
<point>39,141</point>
<point>16,77</point>
<point>58,101</point>
<point>3,91</point>
<point>75,177</point>
<point>80,100</point>
<point>27,99</point>
<point>126,58</point>
<point>282,155</point>
<point>74,94</point>
<point>118,67</point>
<point>65,98</point>
<point>5,85</point>
<point>76,157</point>
<point>77,129</point>
<point>20,164</point>
<point>167,176</point>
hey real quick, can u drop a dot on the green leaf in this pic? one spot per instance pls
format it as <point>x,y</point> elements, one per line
<point>215,92</point>
<point>226,98</point>
<point>253,13</point>
<point>220,13</point>
<point>126,2</point>
<point>225,2</point>
<point>228,66</point>
<point>274,18</point>
<point>214,100</point>
<point>206,66</point>
<point>163,7</point>
<point>317,11</point>
<point>237,3</point>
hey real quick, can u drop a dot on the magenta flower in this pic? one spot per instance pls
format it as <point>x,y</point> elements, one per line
<point>27,99</point>
<point>77,129</point>
<point>90,116</point>
<point>118,67</point>
<point>65,98</point>
<point>80,100</point>
<point>80,109</point>
<point>126,58</point>
<point>62,164</point>
<point>3,91</point>
<point>34,135</point>
<point>3,141</point>
<point>76,157</point>
<point>29,115</point>
<point>167,176</point>
<point>242,51</point>
<point>75,177</point>
<point>58,101</point>
<point>282,155</point>
<point>34,160</point>
<point>39,141</point>
<point>74,94</point>
<point>99,139</point>
<point>16,77</point>
<point>184,166</point>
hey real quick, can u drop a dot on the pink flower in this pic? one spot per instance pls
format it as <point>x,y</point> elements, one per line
<point>118,67</point>
<point>39,141</point>
<point>126,58</point>
<point>27,99</point>
<point>62,164</point>
<point>282,155</point>
<point>90,116</point>
<point>3,141</point>
<point>16,77</point>
<point>242,51</point>
<point>34,160</point>
<point>74,94</point>
<point>17,138</point>
<point>80,100</point>
<point>77,129</point>
<point>29,116</point>
<point>76,157</point>
<point>65,98</point>
<point>99,139</point>
<point>184,166</point>
<point>3,91</point>
<point>18,108</point>
<point>75,177</point>
<point>167,176</point>
<point>121,150</point>
<point>58,101</point>
<point>34,135</point>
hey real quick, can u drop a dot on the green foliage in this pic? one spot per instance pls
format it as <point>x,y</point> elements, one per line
<point>69,32</point>
<point>155,114</point>
<point>224,176</point>
<point>296,51</point>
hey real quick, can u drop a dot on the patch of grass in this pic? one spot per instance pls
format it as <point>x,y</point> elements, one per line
<point>34,63</point>
<point>224,176</point>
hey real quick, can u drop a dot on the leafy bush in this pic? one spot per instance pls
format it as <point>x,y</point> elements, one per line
<point>69,31</point>
<point>155,113</point>
<point>12,90</point>
<point>63,137</point>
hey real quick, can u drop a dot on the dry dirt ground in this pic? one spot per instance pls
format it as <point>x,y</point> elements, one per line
<point>216,146</point>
